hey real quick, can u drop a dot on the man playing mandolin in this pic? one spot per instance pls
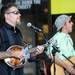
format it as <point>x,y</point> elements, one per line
<point>10,35</point>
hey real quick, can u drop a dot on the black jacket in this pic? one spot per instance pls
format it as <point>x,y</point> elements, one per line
<point>8,37</point>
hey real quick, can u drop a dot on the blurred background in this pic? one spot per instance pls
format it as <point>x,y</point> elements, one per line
<point>42,14</point>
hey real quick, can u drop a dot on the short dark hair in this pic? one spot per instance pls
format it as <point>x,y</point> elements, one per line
<point>6,7</point>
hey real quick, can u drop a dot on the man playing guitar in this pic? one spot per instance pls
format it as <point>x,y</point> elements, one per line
<point>63,41</point>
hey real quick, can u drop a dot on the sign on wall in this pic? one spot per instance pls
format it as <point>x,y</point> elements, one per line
<point>26,4</point>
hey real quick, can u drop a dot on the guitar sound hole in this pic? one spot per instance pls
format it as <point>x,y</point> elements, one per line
<point>15,61</point>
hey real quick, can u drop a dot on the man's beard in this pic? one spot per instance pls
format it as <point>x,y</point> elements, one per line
<point>18,22</point>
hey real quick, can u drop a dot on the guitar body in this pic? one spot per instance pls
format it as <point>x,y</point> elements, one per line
<point>59,69</point>
<point>17,49</point>
<point>12,61</point>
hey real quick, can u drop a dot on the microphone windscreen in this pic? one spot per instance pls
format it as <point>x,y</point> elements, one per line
<point>29,24</point>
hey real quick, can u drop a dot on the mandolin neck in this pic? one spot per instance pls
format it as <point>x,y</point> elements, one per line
<point>34,50</point>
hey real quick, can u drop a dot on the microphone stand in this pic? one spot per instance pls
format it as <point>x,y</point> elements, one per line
<point>55,49</point>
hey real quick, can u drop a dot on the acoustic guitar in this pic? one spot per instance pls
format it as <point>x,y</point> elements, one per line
<point>60,70</point>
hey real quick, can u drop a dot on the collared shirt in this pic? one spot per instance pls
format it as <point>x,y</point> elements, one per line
<point>8,37</point>
<point>64,43</point>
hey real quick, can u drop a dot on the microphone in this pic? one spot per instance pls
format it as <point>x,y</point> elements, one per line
<point>33,27</point>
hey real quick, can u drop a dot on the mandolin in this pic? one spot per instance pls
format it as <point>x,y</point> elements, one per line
<point>18,63</point>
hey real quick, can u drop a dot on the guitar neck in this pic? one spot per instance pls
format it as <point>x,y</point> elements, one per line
<point>34,50</point>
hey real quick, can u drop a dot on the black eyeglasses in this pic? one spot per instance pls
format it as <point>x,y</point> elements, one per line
<point>14,12</point>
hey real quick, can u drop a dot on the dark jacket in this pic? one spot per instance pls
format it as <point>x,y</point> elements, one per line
<point>8,37</point>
